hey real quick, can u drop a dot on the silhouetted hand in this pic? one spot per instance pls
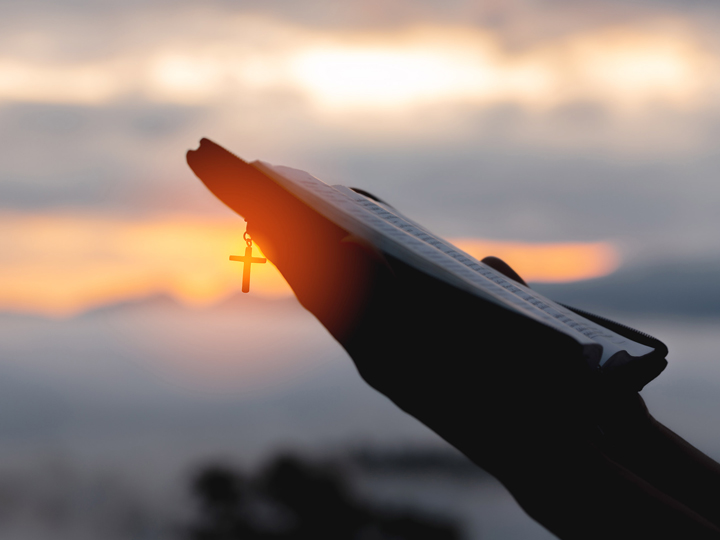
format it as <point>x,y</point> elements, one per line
<point>515,396</point>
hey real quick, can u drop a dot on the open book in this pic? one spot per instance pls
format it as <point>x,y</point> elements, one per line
<point>400,237</point>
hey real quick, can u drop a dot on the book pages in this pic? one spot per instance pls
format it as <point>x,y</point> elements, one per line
<point>400,237</point>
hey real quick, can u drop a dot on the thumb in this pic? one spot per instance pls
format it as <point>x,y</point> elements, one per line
<point>504,268</point>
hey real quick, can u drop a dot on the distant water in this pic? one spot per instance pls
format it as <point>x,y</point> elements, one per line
<point>144,392</point>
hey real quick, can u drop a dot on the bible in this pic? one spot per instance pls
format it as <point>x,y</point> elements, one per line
<point>608,347</point>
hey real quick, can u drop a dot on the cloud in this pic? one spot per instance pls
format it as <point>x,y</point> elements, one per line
<point>539,122</point>
<point>559,262</point>
<point>634,89</point>
<point>376,70</point>
<point>669,288</point>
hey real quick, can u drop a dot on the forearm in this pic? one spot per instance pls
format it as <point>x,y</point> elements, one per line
<point>582,494</point>
<point>651,451</point>
<point>526,417</point>
<point>570,479</point>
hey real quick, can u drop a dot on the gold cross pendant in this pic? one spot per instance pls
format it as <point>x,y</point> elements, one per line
<point>247,260</point>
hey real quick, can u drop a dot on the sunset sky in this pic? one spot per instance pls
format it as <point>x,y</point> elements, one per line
<point>567,137</point>
<point>575,139</point>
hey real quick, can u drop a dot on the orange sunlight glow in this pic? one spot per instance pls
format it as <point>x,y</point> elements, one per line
<point>549,263</point>
<point>62,265</point>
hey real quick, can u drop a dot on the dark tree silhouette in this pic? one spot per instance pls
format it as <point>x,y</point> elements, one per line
<point>292,499</point>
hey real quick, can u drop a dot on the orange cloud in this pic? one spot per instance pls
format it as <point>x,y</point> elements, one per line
<point>553,262</point>
<point>60,265</point>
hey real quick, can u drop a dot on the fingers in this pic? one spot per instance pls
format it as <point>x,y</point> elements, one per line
<point>282,225</point>
<point>504,268</point>
<point>330,273</point>
<point>239,185</point>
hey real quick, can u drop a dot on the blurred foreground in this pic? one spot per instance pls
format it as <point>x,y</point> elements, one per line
<point>106,418</point>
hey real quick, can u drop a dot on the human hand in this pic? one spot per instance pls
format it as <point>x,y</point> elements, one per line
<point>441,354</point>
<point>514,396</point>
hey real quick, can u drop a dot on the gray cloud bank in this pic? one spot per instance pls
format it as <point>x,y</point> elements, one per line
<point>672,289</point>
<point>578,171</point>
<point>129,159</point>
<point>545,15</point>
